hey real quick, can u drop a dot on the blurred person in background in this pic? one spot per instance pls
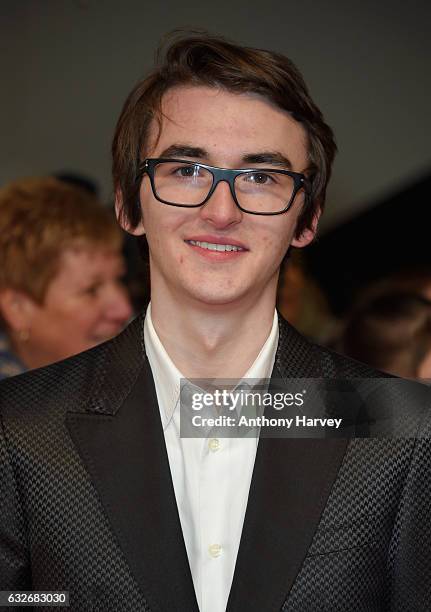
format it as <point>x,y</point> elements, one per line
<point>302,302</point>
<point>60,277</point>
<point>392,332</point>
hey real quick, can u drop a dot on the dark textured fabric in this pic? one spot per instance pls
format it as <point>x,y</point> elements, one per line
<point>87,503</point>
<point>54,533</point>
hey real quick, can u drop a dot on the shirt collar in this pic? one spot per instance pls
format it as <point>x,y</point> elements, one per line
<point>167,377</point>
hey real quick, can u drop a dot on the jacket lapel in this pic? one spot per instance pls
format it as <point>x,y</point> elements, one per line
<point>121,442</point>
<point>292,479</point>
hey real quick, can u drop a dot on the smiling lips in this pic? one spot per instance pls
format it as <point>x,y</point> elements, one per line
<point>216,248</point>
<point>211,246</point>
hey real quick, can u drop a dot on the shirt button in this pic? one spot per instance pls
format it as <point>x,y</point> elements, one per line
<point>214,444</point>
<point>214,550</point>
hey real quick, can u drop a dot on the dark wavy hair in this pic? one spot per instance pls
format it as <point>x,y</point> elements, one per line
<point>202,59</point>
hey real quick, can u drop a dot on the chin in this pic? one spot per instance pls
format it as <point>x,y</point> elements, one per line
<point>218,298</point>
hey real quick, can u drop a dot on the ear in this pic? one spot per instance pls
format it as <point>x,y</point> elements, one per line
<point>122,219</point>
<point>17,309</point>
<point>308,234</point>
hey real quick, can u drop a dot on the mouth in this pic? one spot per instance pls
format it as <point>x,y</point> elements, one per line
<point>216,250</point>
<point>216,246</point>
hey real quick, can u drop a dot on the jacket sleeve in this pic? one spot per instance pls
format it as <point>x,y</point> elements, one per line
<point>14,562</point>
<point>410,550</point>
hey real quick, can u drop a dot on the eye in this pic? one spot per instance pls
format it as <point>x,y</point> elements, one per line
<point>120,280</point>
<point>92,290</point>
<point>187,171</point>
<point>260,178</point>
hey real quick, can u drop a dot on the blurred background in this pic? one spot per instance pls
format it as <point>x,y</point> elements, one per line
<point>67,66</point>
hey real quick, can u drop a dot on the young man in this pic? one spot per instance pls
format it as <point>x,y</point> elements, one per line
<point>221,160</point>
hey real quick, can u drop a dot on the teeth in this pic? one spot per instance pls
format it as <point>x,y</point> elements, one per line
<point>215,247</point>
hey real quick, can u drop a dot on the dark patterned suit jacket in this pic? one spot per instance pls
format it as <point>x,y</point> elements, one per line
<point>87,502</point>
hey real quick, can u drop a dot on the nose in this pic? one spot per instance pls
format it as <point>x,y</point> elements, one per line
<point>220,210</point>
<point>118,308</point>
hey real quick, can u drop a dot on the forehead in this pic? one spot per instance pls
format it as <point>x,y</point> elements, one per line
<point>227,125</point>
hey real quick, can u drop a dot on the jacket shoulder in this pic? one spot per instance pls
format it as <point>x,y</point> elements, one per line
<point>32,391</point>
<point>70,384</point>
<point>341,366</point>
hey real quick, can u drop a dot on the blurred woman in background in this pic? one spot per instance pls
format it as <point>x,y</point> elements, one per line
<point>60,274</point>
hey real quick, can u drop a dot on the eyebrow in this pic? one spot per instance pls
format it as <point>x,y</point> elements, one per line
<point>183,150</point>
<point>272,158</point>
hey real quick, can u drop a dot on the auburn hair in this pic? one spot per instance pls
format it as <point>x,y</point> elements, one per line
<point>39,219</point>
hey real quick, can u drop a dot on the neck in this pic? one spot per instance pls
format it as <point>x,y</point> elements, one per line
<point>212,341</point>
<point>24,353</point>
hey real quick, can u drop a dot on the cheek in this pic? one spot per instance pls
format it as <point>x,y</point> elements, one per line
<point>78,331</point>
<point>164,229</point>
<point>53,329</point>
<point>79,316</point>
<point>275,244</point>
<point>87,317</point>
<point>158,217</point>
<point>158,227</point>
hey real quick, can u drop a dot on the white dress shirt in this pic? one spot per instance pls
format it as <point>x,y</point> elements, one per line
<point>211,476</point>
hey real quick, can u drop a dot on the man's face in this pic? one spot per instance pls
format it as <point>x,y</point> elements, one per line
<point>221,129</point>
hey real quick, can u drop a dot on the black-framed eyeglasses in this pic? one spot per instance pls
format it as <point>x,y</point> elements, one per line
<point>258,191</point>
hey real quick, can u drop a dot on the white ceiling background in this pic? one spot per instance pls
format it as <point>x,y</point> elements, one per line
<point>67,66</point>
